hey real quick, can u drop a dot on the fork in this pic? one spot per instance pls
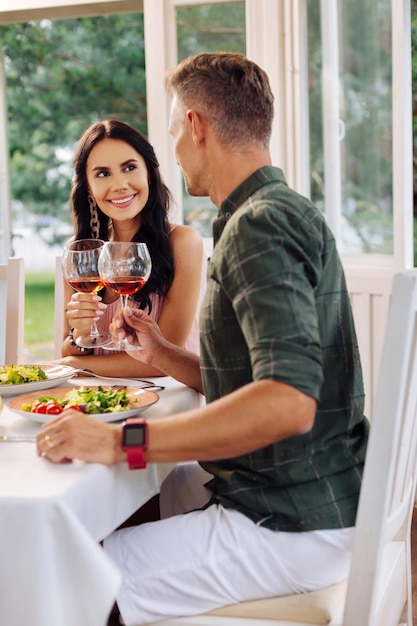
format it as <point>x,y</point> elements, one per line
<point>146,384</point>
<point>14,438</point>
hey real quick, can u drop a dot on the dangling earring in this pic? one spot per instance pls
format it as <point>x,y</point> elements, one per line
<point>94,221</point>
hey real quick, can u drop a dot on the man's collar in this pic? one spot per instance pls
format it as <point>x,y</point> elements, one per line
<point>248,187</point>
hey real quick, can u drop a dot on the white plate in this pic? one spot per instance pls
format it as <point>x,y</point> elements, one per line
<point>56,374</point>
<point>142,397</point>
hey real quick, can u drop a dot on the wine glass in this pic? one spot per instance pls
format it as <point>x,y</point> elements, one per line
<point>80,270</point>
<point>124,266</point>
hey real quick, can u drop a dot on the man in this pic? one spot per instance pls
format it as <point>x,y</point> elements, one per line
<point>281,441</point>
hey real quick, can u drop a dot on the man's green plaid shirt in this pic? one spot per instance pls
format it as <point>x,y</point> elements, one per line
<point>277,308</point>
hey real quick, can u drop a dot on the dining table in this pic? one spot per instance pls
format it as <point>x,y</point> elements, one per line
<point>53,570</point>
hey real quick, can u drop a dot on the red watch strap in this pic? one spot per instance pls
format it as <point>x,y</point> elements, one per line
<point>135,458</point>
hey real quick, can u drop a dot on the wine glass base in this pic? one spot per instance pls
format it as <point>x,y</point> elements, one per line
<point>86,341</point>
<point>121,346</point>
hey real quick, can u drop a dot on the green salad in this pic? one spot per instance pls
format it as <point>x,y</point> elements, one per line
<point>18,374</point>
<point>85,399</point>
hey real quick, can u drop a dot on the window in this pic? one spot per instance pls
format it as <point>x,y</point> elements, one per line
<point>338,134</point>
<point>208,28</point>
<point>350,78</point>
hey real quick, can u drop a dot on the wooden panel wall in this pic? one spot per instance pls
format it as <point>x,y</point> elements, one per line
<point>370,293</point>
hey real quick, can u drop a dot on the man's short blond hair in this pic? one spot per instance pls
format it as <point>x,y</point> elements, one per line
<point>230,91</point>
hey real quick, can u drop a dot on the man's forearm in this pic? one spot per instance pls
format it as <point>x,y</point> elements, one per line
<point>182,365</point>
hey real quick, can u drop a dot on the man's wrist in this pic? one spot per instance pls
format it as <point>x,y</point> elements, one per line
<point>165,358</point>
<point>119,455</point>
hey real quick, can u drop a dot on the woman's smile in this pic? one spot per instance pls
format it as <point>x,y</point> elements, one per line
<point>122,202</point>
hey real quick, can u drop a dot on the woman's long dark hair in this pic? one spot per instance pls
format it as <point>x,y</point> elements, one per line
<point>154,229</point>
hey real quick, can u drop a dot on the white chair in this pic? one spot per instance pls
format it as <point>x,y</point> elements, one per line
<point>12,311</point>
<point>378,590</point>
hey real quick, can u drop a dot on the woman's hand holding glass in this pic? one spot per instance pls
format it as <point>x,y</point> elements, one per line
<point>80,270</point>
<point>124,267</point>
<point>82,309</point>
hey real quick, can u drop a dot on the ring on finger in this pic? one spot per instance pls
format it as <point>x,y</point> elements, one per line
<point>49,441</point>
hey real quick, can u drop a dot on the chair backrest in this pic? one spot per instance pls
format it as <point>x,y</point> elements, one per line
<point>379,587</point>
<point>59,308</point>
<point>12,311</point>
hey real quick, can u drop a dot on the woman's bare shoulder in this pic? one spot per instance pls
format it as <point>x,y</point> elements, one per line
<point>181,233</point>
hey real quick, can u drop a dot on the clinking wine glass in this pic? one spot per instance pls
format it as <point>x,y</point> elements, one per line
<point>124,266</point>
<point>80,270</point>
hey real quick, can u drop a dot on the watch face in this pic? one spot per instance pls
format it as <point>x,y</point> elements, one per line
<point>134,435</point>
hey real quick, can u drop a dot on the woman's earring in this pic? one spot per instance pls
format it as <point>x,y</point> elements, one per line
<point>94,221</point>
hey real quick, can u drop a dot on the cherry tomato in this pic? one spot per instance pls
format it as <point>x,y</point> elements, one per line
<point>53,408</point>
<point>39,408</point>
<point>76,407</point>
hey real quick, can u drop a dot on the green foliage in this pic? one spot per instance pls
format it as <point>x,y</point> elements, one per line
<point>61,76</point>
<point>205,28</point>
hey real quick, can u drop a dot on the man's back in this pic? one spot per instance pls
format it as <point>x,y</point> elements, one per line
<point>277,308</point>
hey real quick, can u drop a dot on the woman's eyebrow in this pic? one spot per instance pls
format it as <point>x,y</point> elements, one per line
<point>129,161</point>
<point>106,167</point>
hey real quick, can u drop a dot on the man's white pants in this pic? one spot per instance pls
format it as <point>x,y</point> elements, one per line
<point>191,563</point>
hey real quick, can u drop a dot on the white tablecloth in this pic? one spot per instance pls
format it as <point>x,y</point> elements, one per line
<point>52,570</point>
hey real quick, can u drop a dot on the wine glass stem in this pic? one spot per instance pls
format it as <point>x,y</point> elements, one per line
<point>94,332</point>
<point>123,301</point>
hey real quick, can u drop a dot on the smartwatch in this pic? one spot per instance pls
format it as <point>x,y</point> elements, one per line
<point>135,442</point>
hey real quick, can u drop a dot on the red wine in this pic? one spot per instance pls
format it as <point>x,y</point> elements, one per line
<point>126,286</point>
<point>87,285</point>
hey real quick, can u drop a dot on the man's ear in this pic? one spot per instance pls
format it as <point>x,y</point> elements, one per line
<point>197,125</point>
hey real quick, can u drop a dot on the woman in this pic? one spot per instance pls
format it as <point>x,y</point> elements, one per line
<point>118,194</point>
